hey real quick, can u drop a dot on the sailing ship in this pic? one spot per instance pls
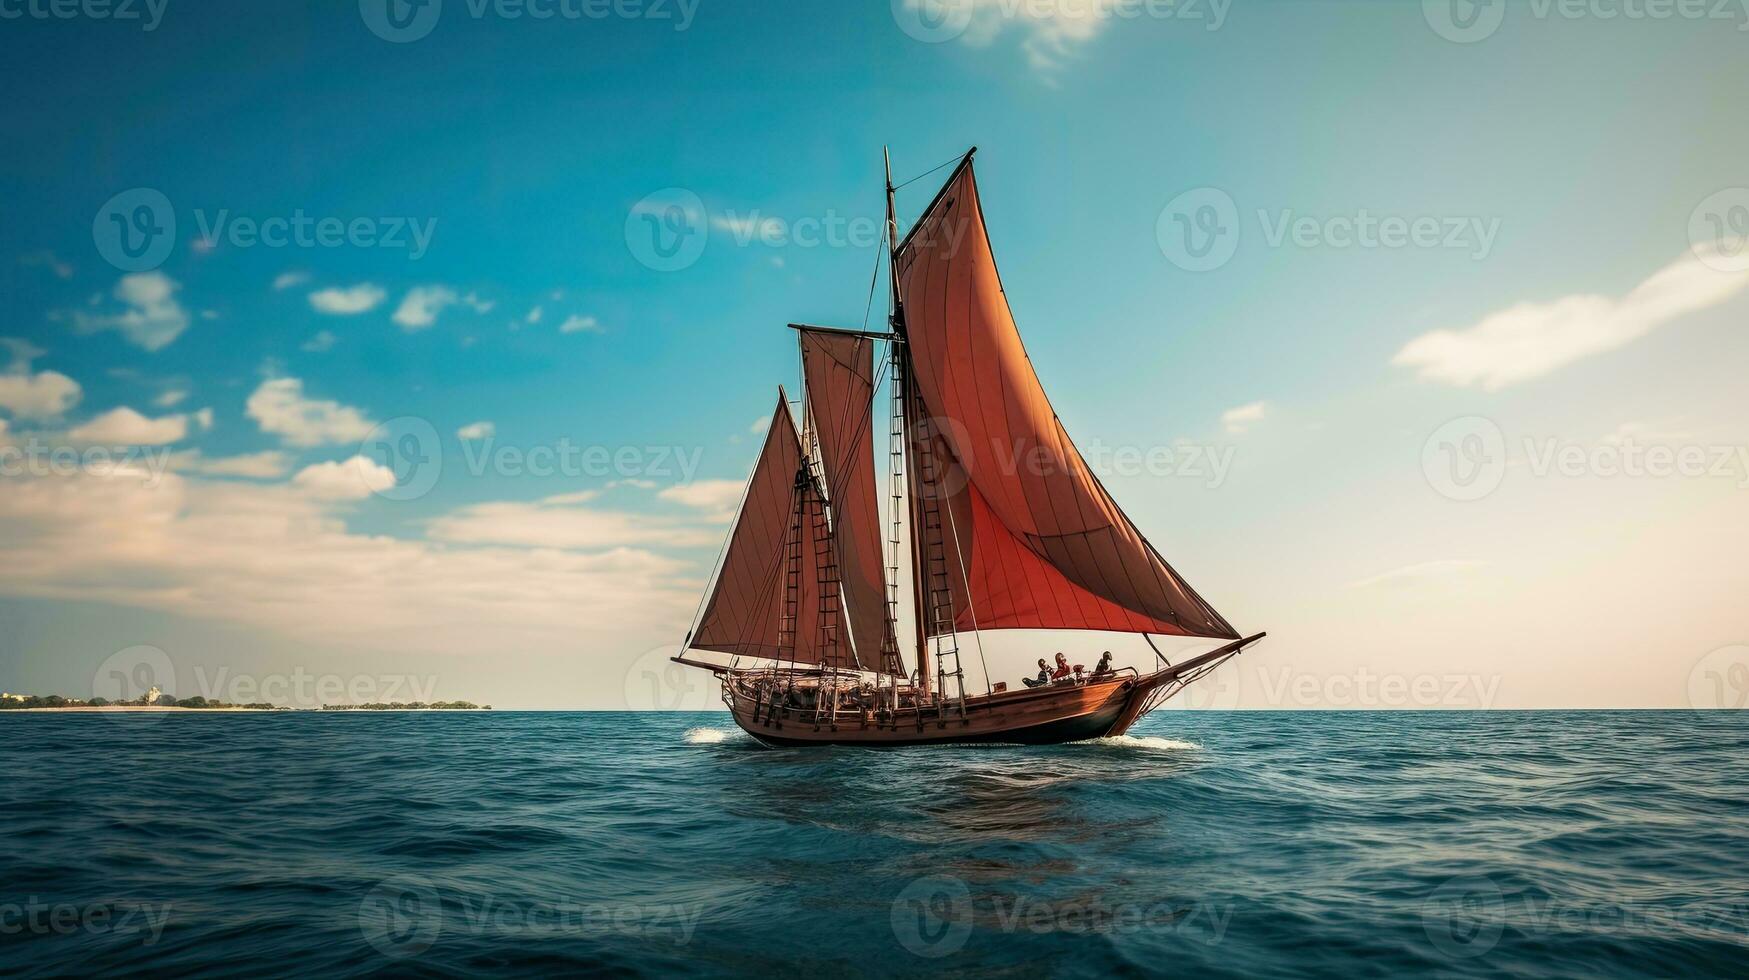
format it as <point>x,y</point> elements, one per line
<point>996,523</point>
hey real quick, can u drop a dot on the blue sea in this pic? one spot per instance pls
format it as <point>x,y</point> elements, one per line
<point>1595,844</point>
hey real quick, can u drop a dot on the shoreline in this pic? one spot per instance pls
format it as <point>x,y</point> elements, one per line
<point>169,708</point>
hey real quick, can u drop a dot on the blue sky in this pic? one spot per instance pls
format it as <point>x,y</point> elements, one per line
<point>1565,159</point>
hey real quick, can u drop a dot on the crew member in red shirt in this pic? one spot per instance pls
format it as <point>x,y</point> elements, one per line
<point>1063,669</point>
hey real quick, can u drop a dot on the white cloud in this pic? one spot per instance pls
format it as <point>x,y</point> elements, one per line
<point>1237,420</point>
<point>203,418</point>
<point>279,407</point>
<point>152,318</point>
<point>277,558</point>
<point>565,499</point>
<point>170,398</point>
<point>1051,31</point>
<point>269,465</point>
<point>125,427</point>
<point>420,307</point>
<point>716,497</point>
<point>749,227</point>
<point>1530,340</point>
<point>48,260</point>
<point>477,430</point>
<point>322,342</point>
<point>534,315</point>
<point>352,479</point>
<point>1646,433</point>
<point>1414,574</point>
<point>559,522</point>
<point>353,300</point>
<point>44,394</point>
<point>580,324</point>
<point>23,353</point>
<point>760,425</point>
<point>287,280</point>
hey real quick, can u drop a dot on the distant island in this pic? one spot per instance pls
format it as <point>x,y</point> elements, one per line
<point>414,706</point>
<point>156,700</point>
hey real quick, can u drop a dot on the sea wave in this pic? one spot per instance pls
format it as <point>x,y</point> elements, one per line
<point>1602,844</point>
<point>1155,743</point>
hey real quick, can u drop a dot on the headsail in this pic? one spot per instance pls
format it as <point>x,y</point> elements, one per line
<point>1031,537</point>
<point>839,370</point>
<point>776,597</point>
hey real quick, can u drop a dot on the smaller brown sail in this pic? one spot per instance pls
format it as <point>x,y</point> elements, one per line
<point>839,369</point>
<point>777,596</point>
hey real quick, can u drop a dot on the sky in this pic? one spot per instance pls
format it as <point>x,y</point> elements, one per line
<point>367,352</point>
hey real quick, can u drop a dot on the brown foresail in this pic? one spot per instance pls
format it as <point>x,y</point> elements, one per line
<point>774,597</point>
<point>839,370</point>
<point>1031,538</point>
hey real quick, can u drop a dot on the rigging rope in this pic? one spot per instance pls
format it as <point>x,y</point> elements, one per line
<point>926,173</point>
<point>874,278</point>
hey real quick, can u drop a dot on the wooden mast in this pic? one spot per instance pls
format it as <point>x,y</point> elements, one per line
<point>902,380</point>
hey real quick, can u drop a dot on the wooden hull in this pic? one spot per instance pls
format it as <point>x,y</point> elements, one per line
<point>1096,708</point>
<point>1043,716</point>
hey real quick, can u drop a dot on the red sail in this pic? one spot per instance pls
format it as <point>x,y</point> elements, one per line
<point>839,370</point>
<point>764,580</point>
<point>1028,537</point>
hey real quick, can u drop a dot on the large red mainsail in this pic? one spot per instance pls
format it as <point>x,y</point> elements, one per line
<point>1031,537</point>
<point>749,609</point>
<point>839,370</point>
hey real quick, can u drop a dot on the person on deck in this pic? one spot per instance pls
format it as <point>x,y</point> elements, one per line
<point>1104,666</point>
<point>1044,676</point>
<point>1063,671</point>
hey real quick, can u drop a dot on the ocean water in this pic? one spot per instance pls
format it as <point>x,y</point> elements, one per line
<point>1594,844</point>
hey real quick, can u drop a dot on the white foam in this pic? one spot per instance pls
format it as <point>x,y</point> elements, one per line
<point>1152,742</point>
<point>705,736</point>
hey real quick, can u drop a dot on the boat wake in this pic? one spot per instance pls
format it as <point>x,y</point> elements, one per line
<point>1153,743</point>
<point>705,736</point>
